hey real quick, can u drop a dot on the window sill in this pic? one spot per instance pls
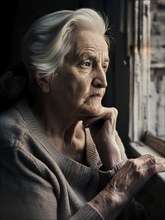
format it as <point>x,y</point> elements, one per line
<point>139,149</point>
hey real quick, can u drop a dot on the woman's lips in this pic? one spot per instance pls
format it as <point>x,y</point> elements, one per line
<point>96,96</point>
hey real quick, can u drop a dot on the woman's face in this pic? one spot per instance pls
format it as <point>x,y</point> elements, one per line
<point>80,86</point>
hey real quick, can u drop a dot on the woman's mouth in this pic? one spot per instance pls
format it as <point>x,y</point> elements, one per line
<point>96,96</point>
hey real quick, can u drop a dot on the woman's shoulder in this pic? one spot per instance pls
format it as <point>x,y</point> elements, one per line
<point>12,127</point>
<point>11,118</point>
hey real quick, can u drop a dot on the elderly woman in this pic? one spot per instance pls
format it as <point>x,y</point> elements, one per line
<point>60,154</point>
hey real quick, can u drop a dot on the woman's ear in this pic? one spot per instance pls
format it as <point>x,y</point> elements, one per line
<point>43,82</point>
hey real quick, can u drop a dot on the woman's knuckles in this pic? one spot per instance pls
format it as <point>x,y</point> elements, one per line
<point>146,165</point>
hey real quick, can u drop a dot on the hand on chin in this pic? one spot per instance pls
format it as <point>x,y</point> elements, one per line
<point>99,115</point>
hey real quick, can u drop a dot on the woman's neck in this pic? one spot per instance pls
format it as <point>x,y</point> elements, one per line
<point>66,135</point>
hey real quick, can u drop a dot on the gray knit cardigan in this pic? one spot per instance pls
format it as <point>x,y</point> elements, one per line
<point>39,183</point>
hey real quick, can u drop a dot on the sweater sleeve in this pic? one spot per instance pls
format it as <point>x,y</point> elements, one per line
<point>87,212</point>
<point>106,176</point>
<point>24,194</point>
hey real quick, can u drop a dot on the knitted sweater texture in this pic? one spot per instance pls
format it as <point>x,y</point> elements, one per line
<point>39,183</point>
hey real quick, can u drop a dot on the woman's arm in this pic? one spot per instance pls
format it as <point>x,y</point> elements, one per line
<point>24,193</point>
<point>130,178</point>
<point>103,132</point>
<point>125,184</point>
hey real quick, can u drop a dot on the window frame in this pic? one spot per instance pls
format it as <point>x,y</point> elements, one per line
<point>140,71</point>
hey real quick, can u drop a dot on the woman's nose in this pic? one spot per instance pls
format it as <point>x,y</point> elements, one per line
<point>99,79</point>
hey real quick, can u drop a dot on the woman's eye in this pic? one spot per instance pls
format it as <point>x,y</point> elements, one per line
<point>86,64</point>
<point>105,67</point>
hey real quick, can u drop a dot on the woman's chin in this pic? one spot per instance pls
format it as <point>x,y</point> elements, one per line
<point>91,111</point>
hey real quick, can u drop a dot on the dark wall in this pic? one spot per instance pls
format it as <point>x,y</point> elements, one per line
<point>19,16</point>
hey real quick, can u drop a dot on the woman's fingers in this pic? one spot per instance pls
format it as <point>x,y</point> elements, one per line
<point>151,165</point>
<point>159,165</point>
<point>135,173</point>
<point>103,132</point>
<point>103,126</point>
<point>107,114</point>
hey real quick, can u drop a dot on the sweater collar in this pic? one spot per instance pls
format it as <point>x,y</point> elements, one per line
<point>34,128</point>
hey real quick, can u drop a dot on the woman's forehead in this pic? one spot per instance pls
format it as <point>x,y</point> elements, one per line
<point>86,39</point>
<point>89,43</point>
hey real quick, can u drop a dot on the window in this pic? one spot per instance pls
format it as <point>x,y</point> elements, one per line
<point>147,73</point>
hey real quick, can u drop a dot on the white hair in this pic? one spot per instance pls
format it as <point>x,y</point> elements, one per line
<point>50,39</point>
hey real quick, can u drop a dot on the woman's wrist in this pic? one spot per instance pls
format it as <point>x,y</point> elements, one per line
<point>106,175</point>
<point>114,169</point>
<point>108,203</point>
<point>110,154</point>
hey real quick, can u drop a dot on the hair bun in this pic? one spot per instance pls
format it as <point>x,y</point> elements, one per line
<point>12,85</point>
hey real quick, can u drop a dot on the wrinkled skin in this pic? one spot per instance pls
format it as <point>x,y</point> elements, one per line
<point>103,131</point>
<point>82,83</point>
<point>136,171</point>
<point>132,176</point>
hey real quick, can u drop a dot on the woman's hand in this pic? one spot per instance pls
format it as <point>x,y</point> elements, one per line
<point>134,174</point>
<point>126,183</point>
<point>103,132</point>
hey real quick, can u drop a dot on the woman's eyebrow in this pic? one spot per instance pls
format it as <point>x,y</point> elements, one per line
<point>88,54</point>
<point>92,55</point>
